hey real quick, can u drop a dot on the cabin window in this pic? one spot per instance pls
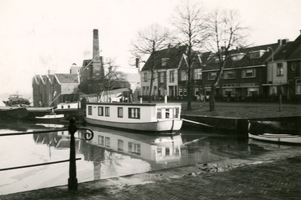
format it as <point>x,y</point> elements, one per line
<point>120,145</point>
<point>100,140</point>
<point>68,106</point>
<point>62,107</point>
<point>107,142</point>
<point>167,113</point>
<point>159,113</point>
<point>89,110</point>
<point>176,113</point>
<point>134,113</point>
<point>107,111</point>
<point>120,112</point>
<point>134,148</point>
<point>100,111</point>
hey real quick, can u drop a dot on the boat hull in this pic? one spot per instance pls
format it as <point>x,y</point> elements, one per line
<point>279,138</point>
<point>158,126</point>
<point>50,118</point>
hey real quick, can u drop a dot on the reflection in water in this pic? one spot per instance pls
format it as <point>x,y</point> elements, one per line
<point>110,153</point>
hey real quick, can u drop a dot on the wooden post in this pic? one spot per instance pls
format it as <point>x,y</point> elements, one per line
<point>72,181</point>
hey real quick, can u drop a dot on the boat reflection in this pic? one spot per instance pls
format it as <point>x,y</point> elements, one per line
<point>153,147</point>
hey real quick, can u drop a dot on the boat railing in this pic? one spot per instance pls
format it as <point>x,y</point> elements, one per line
<point>72,128</point>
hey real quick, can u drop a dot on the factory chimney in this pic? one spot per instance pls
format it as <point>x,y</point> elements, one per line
<point>96,60</point>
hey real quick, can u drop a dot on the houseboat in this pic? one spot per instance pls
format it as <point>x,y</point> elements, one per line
<point>155,117</point>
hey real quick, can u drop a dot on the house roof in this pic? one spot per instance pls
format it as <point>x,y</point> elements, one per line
<point>174,55</point>
<point>67,78</point>
<point>246,59</point>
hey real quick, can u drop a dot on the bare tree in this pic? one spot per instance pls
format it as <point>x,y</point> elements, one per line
<point>150,40</point>
<point>190,22</point>
<point>226,33</point>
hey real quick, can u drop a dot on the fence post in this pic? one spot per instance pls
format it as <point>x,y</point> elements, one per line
<point>72,181</point>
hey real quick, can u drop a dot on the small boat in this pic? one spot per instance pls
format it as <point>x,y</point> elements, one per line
<point>52,117</point>
<point>70,109</point>
<point>274,131</point>
<point>281,138</point>
<point>155,117</point>
<point>16,100</point>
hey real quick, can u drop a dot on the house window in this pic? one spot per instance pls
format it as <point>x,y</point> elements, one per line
<point>161,77</point>
<point>100,111</point>
<point>120,145</point>
<point>248,73</point>
<point>145,76</point>
<point>167,151</point>
<point>183,75</point>
<point>134,148</point>
<point>197,74</point>
<point>229,74</point>
<point>212,75</point>
<point>164,61</point>
<point>171,76</point>
<point>107,141</point>
<point>134,113</point>
<point>100,140</point>
<point>107,111</point>
<point>89,110</point>
<point>120,112</point>
<point>298,86</point>
<point>279,69</point>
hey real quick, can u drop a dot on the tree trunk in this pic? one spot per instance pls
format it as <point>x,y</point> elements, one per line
<point>212,98</point>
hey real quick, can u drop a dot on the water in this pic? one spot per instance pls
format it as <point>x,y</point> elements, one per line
<point>110,153</point>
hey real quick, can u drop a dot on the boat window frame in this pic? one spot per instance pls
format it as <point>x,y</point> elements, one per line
<point>89,110</point>
<point>100,108</point>
<point>107,111</point>
<point>120,112</point>
<point>135,115</point>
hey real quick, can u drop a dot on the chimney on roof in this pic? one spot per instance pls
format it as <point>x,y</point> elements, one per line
<point>282,41</point>
<point>97,62</point>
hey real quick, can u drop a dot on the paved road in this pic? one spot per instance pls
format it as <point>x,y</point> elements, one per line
<point>280,179</point>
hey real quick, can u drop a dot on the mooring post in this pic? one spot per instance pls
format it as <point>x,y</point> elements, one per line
<point>72,181</point>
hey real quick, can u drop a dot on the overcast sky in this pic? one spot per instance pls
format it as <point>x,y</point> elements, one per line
<point>37,35</point>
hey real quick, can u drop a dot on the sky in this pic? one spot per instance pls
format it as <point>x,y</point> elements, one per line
<point>41,35</point>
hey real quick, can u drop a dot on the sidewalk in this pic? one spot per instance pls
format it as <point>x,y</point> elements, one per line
<point>278,179</point>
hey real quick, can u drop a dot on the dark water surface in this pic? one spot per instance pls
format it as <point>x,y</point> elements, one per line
<point>111,153</point>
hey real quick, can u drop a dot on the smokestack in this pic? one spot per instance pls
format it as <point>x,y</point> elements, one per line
<point>97,64</point>
<point>95,45</point>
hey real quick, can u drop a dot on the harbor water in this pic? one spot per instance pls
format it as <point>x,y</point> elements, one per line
<point>111,153</point>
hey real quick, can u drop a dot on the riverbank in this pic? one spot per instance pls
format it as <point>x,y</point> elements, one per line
<point>243,110</point>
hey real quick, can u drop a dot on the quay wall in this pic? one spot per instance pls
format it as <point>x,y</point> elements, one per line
<point>229,125</point>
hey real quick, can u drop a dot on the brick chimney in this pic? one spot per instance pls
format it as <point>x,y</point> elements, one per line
<point>97,64</point>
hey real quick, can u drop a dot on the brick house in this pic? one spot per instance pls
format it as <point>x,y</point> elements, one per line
<point>170,73</point>
<point>245,75</point>
<point>51,89</point>
<point>293,62</point>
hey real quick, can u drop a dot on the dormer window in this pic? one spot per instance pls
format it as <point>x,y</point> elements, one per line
<point>237,56</point>
<point>164,61</point>
<point>256,54</point>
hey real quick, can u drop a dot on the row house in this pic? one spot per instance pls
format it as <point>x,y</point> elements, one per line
<point>169,68</point>
<point>55,88</point>
<point>284,70</point>
<point>244,73</point>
